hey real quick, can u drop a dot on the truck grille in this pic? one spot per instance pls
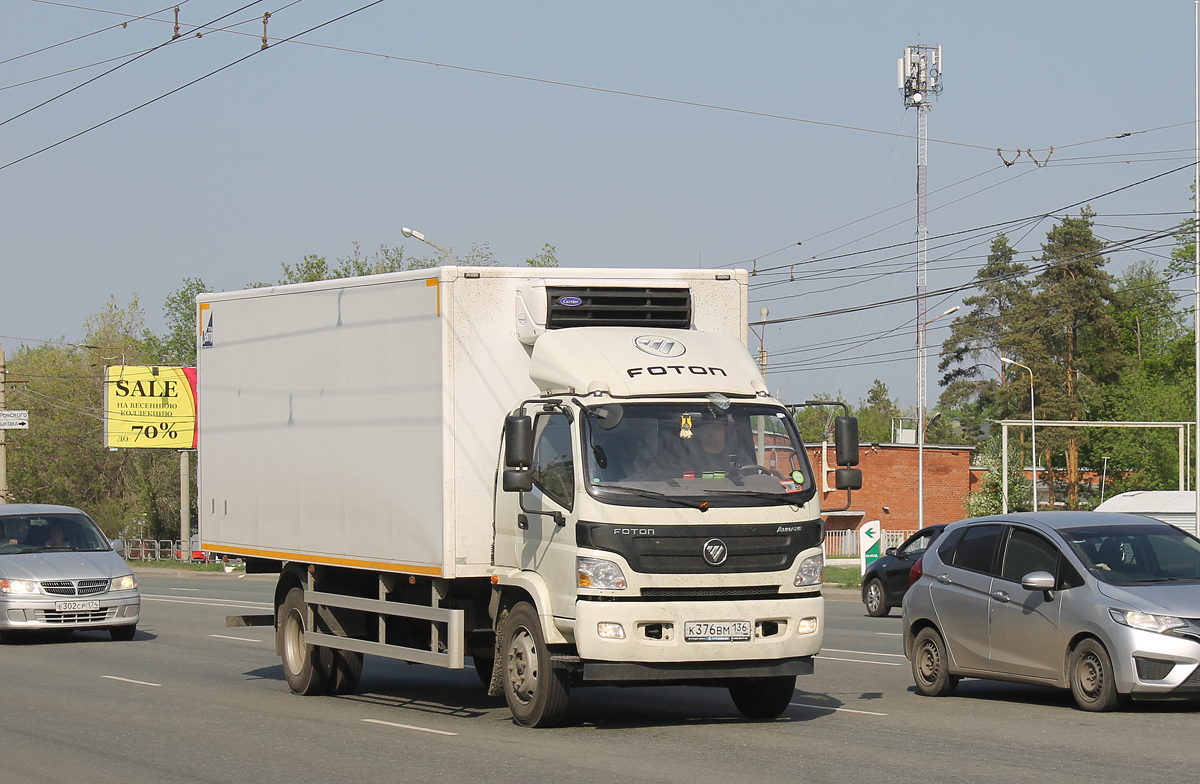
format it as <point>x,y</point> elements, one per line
<point>727,592</point>
<point>601,306</point>
<point>74,587</point>
<point>679,549</point>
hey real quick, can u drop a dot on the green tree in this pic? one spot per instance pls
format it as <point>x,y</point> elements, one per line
<point>875,413</point>
<point>178,345</point>
<point>988,498</point>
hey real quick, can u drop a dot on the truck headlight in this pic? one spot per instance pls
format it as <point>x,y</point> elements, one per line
<point>598,573</point>
<point>20,587</point>
<point>811,571</point>
<point>123,583</point>
<point>1146,622</point>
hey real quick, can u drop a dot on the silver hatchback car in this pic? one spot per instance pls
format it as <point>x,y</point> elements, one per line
<point>1106,605</point>
<point>59,571</point>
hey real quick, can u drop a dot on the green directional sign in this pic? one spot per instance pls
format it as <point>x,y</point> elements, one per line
<point>870,543</point>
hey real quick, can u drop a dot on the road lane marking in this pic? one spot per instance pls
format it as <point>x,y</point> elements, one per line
<point>407,727</point>
<point>864,653</point>
<point>227,637</point>
<point>130,680</point>
<point>890,634</point>
<point>860,661</point>
<point>185,589</point>
<point>843,710</point>
<point>236,604</point>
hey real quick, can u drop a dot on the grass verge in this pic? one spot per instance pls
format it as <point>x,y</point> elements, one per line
<point>843,576</point>
<point>191,567</point>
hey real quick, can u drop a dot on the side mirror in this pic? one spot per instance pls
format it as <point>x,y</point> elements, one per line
<point>517,481</point>
<point>1038,581</point>
<point>609,416</point>
<point>118,545</point>
<point>890,551</point>
<point>845,439</point>
<point>848,479</point>
<point>518,441</point>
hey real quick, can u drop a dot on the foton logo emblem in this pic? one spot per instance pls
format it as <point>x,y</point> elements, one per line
<point>659,346</point>
<point>715,552</point>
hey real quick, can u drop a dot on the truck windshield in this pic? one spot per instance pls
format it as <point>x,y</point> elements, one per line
<point>741,454</point>
<point>49,532</point>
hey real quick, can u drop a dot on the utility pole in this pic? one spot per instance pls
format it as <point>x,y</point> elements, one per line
<point>763,312</point>
<point>920,78</point>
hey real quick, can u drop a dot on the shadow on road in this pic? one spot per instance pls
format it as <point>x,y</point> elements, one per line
<point>67,636</point>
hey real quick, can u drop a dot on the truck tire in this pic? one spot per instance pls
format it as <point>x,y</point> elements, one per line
<point>306,667</point>
<point>763,698</point>
<point>536,690</point>
<point>345,671</point>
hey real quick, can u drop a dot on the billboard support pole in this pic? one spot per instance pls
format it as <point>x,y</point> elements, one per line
<point>185,517</point>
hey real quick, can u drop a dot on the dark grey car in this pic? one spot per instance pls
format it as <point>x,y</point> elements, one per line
<point>59,571</point>
<point>1107,605</point>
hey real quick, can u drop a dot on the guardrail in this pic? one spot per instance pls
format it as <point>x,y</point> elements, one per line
<point>156,550</point>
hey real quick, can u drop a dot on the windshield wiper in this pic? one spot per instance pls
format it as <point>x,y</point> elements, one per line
<point>785,497</point>
<point>701,505</point>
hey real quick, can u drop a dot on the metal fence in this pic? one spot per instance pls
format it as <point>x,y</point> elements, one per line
<point>154,550</point>
<point>844,544</point>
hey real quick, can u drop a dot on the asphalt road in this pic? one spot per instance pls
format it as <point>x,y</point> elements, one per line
<point>189,700</point>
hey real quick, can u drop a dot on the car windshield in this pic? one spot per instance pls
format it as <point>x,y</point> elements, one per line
<point>38,533</point>
<point>1136,554</point>
<point>722,454</point>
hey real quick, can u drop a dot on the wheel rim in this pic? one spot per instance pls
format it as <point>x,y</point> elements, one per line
<point>929,662</point>
<point>293,642</point>
<point>1089,675</point>
<point>874,597</point>
<point>522,665</point>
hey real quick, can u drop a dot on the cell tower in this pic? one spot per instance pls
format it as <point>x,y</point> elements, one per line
<point>920,72</point>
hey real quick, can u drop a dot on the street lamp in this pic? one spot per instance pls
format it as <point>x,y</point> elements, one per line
<point>410,233</point>
<point>763,312</point>
<point>921,418</point>
<point>1032,425</point>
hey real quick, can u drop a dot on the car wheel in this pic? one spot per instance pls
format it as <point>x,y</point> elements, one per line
<point>931,665</point>
<point>1093,684</point>
<point>536,689</point>
<point>873,597</point>
<point>763,698</point>
<point>123,633</point>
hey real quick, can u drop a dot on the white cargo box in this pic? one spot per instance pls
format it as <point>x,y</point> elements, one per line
<point>357,422</point>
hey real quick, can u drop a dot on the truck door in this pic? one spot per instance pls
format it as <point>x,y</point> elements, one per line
<point>546,545</point>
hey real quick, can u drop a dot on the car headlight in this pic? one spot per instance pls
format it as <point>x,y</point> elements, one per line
<point>598,573</point>
<point>1147,622</point>
<point>123,583</point>
<point>811,571</point>
<point>19,587</point>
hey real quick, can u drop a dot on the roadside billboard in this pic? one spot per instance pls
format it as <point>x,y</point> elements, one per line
<point>150,407</point>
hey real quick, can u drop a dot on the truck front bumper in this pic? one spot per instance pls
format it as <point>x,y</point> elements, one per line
<point>651,643</point>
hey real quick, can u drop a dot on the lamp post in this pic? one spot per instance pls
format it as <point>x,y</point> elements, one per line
<point>411,233</point>
<point>922,361</point>
<point>1032,425</point>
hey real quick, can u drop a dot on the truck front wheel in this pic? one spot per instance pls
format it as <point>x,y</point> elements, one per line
<point>763,698</point>
<point>536,690</point>
<point>305,667</point>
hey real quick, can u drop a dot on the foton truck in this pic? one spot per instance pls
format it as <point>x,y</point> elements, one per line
<point>571,476</point>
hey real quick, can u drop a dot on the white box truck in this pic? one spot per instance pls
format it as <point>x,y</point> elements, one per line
<point>571,476</point>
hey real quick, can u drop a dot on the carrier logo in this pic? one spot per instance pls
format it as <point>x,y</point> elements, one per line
<point>715,552</point>
<point>570,302</point>
<point>659,346</point>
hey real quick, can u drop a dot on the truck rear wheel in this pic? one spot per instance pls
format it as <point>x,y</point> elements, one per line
<point>306,667</point>
<point>536,689</point>
<point>345,671</point>
<point>763,698</point>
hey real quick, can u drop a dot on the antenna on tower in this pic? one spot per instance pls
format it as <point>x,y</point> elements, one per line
<point>920,80</point>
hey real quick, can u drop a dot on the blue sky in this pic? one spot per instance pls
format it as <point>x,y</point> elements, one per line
<point>758,126</point>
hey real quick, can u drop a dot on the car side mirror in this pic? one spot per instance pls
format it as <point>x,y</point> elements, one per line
<point>1038,581</point>
<point>890,551</point>
<point>118,545</point>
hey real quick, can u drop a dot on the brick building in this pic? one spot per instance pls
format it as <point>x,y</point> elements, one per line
<point>889,491</point>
